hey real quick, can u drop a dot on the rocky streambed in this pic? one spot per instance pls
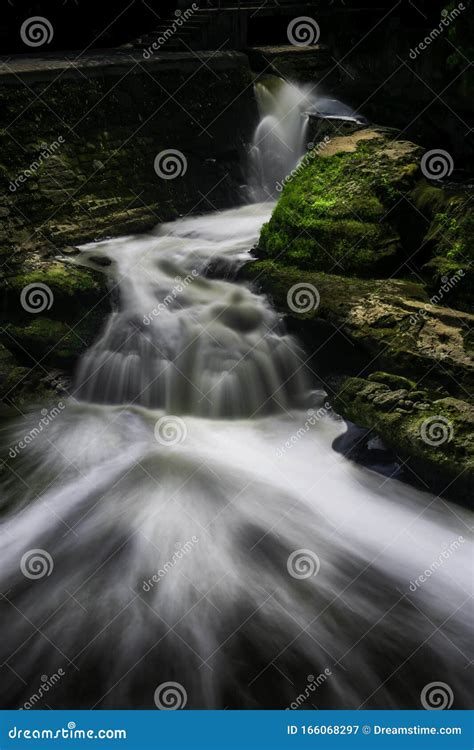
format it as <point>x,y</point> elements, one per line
<point>388,250</point>
<point>389,331</point>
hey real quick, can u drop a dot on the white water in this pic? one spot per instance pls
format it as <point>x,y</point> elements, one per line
<point>112,497</point>
<point>281,137</point>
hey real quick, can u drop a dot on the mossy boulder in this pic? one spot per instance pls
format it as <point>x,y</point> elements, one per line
<point>449,273</point>
<point>433,437</point>
<point>359,325</point>
<point>344,212</point>
<point>450,283</point>
<point>70,286</point>
<point>54,342</point>
<point>52,311</point>
<point>362,207</point>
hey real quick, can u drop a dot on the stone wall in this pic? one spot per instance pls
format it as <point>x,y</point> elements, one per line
<point>78,148</point>
<point>78,144</point>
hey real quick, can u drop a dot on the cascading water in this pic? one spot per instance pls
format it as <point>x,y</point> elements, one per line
<point>184,518</point>
<point>280,138</point>
<point>185,343</point>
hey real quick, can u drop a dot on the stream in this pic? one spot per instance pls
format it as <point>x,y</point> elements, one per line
<point>182,533</point>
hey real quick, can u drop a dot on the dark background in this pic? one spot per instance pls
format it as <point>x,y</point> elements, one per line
<point>79,24</point>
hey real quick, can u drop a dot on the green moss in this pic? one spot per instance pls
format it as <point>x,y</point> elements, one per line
<point>64,280</point>
<point>393,381</point>
<point>428,199</point>
<point>383,323</point>
<point>433,437</point>
<point>450,283</point>
<point>335,214</point>
<point>53,341</point>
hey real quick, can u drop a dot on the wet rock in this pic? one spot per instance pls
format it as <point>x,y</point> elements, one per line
<point>429,345</point>
<point>437,445</point>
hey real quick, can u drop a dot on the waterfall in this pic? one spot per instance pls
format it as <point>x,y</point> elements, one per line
<point>186,343</point>
<point>280,137</point>
<point>184,520</point>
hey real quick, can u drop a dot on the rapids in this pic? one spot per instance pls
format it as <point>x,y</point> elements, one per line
<point>184,519</point>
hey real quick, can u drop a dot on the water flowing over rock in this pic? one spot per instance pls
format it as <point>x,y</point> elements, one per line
<point>184,518</point>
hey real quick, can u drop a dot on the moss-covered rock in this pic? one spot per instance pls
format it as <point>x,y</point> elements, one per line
<point>54,342</point>
<point>433,437</point>
<point>70,286</point>
<point>52,311</point>
<point>449,273</point>
<point>362,207</point>
<point>359,325</point>
<point>343,212</point>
